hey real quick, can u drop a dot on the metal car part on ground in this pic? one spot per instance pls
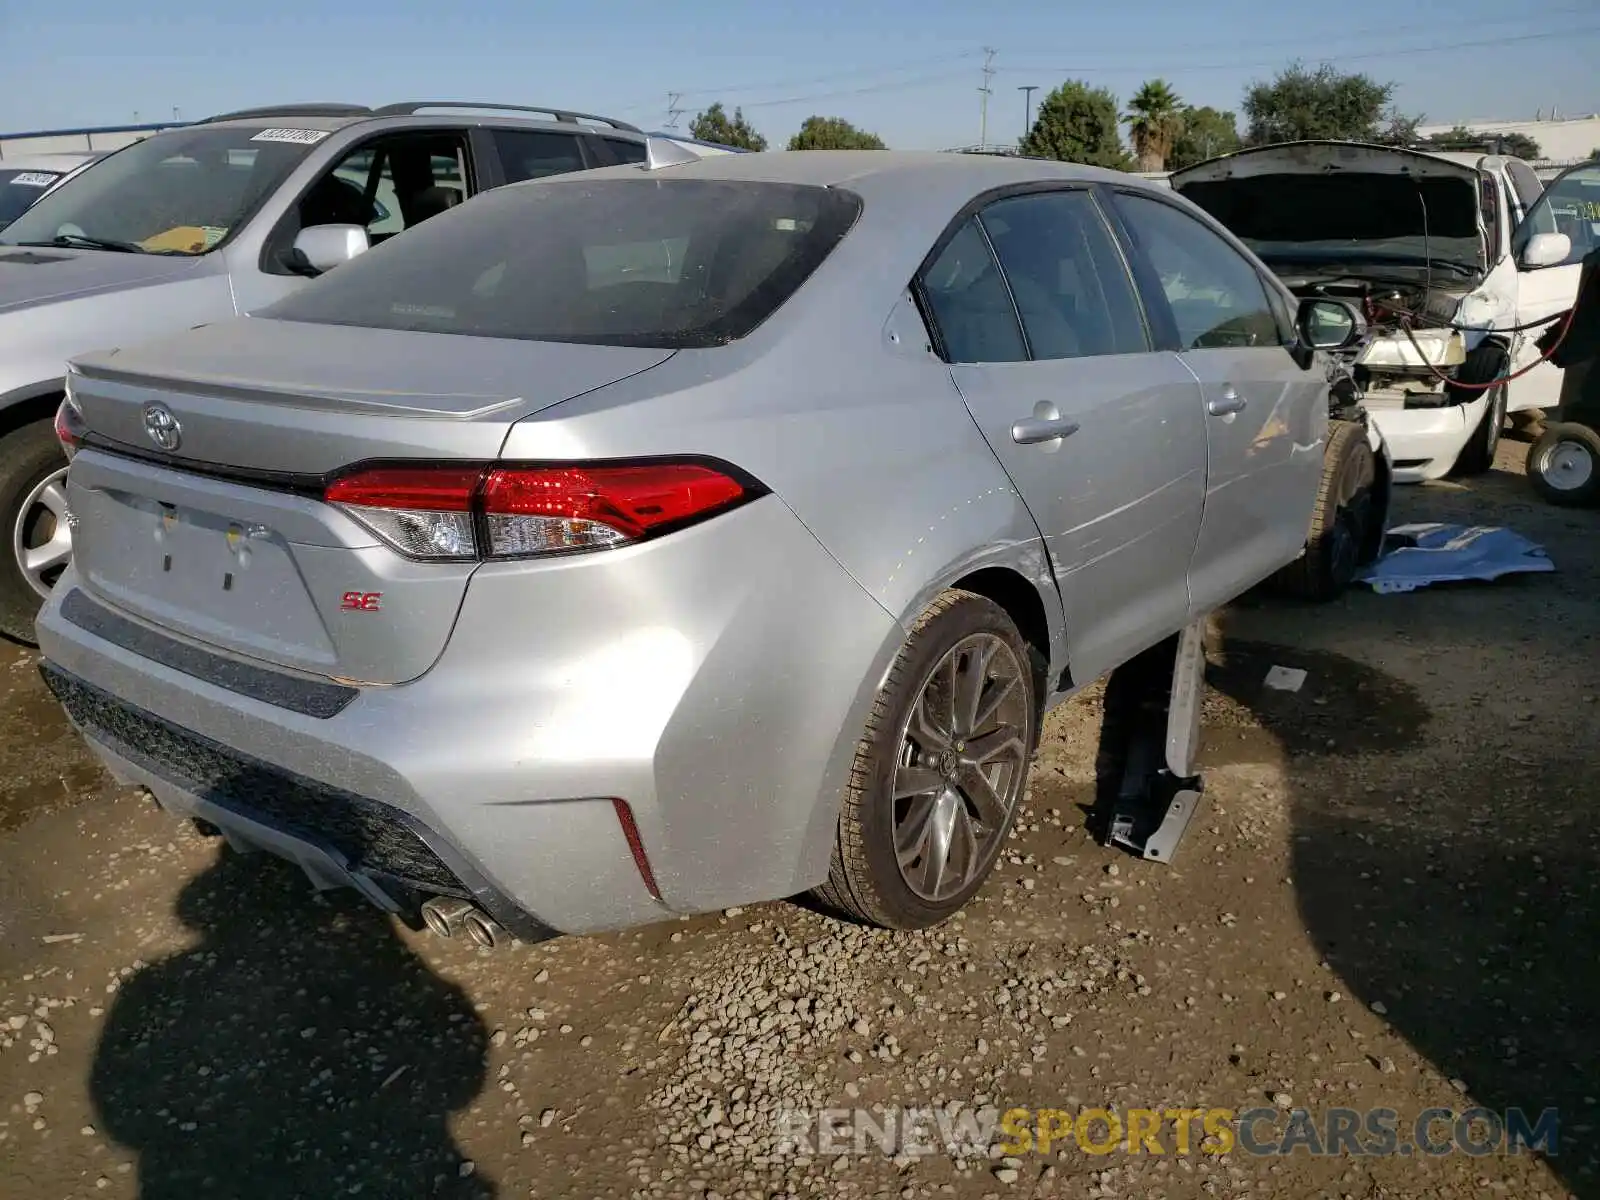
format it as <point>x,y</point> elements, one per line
<point>650,541</point>
<point>215,219</point>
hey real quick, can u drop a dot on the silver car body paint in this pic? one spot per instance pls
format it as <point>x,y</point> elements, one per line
<point>717,678</point>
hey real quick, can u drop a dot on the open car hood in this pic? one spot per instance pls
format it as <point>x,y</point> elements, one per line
<point>1344,200</point>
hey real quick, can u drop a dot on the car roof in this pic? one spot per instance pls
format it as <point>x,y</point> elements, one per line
<point>330,118</point>
<point>899,175</point>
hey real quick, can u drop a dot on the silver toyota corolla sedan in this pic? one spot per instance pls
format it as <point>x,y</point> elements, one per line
<point>664,538</point>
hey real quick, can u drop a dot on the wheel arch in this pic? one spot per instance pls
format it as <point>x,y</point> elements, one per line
<point>34,402</point>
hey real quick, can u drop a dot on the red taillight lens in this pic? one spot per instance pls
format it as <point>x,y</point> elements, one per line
<point>432,512</point>
<point>70,427</point>
<point>433,489</point>
<point>541,510</point>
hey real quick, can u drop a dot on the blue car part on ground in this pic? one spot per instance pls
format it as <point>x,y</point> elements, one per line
<point>1431,552</point>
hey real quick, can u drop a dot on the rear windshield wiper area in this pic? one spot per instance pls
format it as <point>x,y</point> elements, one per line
<point>68,240</point>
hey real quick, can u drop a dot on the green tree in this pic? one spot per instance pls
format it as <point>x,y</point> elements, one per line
<point>1078,123</point>
<point>714,125</point>
<point>1155,118</point>
<point>1399,130</point>
<point>1518,145</point>
<point>833,133</point>
<point>1203,133</point>
<point>1325,103</point>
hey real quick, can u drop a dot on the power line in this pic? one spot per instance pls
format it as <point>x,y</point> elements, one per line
<point>674,109</point>
<point>813,80</point>
<point>872,89</point>
<point>1357,35</point>
<point>1335,58</point>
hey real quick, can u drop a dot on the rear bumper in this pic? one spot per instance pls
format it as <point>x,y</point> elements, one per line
<point>716,680</point>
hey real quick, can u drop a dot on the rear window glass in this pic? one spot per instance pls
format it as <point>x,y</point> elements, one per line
<point>617,262</point>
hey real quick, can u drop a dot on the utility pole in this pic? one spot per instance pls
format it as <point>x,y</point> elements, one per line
<point>674,110</point>
<point>1027,106</point>
<point>983,104</point>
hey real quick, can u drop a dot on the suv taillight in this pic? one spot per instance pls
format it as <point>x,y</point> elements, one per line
<point>70,426</point>
<point>506,511</point>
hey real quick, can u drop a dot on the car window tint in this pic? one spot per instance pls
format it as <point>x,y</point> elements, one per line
<point>1216,296</point>
<point>1570,205</point>
<point>1067,276</point>
<point>626,151</point>
<point>969,301</point>
<point>528,154</point>
<point>1527,184</point>
<point>611,262</point>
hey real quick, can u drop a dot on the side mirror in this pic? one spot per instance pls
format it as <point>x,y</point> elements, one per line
<point>1330,324</point>
<point>1545,250</point>
<point>320,248</point>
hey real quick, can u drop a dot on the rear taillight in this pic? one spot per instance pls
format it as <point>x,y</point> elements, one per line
<point>70,426</point>
<point>508,511</point>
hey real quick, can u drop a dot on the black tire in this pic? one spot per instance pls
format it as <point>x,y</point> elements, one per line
<point>1564,466</point>
<point>865,881</point>
<point>1340,520</point>
<point>28,456</point>
<point>1483,364</point>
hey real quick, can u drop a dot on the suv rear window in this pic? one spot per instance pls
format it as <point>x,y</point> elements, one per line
<point>615,262</point>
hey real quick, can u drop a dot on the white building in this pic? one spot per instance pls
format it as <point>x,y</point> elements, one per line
<point>1562,140</point>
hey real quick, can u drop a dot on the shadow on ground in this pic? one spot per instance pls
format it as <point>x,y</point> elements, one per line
<point>1450,876</point>
<point>298,1049</point>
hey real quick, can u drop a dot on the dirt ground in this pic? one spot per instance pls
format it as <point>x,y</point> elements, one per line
<point>1388,900</point>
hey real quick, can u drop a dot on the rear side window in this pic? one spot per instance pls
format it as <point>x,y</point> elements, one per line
<point>970,303</point>
<point>1066,274</point>
<point>626,151</point>
<point>615,262</point>
<point>526,154</point>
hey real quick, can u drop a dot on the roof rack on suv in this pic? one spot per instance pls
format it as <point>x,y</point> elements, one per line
<point>564,115</point>
<point>290,110</point>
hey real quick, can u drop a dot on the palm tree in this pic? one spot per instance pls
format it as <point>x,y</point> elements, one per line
<point>1155,118</point>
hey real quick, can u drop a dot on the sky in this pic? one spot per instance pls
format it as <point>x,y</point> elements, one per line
<point>910,70</point>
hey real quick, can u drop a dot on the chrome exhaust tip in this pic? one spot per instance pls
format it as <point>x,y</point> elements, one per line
<point>445,914</point>
<point>483,929</point>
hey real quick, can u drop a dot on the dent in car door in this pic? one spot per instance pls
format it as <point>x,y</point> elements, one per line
<point>1265,417</point>
<point>1101,436</point>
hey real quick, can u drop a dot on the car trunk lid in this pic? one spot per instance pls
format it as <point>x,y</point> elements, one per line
<point>221,536</point>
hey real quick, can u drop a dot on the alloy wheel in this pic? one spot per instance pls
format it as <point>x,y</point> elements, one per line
<point>962,767</point>
<point>42,538</point>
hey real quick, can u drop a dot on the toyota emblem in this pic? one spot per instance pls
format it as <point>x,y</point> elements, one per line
<point>162,427</point>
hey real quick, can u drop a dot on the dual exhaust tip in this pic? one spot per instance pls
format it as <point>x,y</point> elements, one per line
<point>449,917</point>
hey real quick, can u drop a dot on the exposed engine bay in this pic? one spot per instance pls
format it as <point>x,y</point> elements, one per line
<point>1411,239</point>
<point>1411,339</point>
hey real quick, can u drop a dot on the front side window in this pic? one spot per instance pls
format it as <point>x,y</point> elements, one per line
<point>1570,205</point>
<point>1216,297</point>
<point>618,262</point>
<point>1069,281</point>
<point>19,190</point>
<point>388,186</point>
<point>179,192</point>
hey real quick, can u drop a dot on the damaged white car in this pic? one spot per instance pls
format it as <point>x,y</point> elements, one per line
<point>1436,250</point>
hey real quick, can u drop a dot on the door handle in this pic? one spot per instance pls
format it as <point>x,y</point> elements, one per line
<point>1226,404</point>
<point>1032,430</point>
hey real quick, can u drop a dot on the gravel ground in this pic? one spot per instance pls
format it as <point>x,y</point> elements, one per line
<point>1387,900</point>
